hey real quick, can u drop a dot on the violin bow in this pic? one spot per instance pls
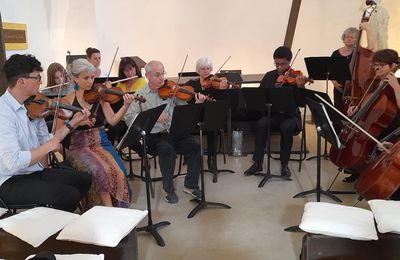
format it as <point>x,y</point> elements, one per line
<point>177,83</point>
<point>223,64</point>
<point>354,124</point>
<point>54,127</point>
<point>108,76</point>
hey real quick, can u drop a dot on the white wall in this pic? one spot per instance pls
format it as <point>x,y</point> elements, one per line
<point>249,31</point>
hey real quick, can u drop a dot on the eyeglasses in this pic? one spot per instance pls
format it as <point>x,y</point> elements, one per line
<point>378,65</point>
<point>38,77</point>
<point>159,74</point>
<point>281,64</point>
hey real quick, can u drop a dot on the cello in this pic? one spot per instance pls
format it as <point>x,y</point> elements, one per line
<point>382,177</point>
<point>360,70</point>
<point>374,115</point>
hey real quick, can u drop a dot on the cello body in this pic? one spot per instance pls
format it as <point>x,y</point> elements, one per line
<point>382,177</point>
<point>376,117</point>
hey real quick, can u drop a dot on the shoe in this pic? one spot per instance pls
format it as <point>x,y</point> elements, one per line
<point>285,171</point>
<point>212,163</point>
<point>352,178</point>
<point>195,193</point>
<point>256,167</point>
<point>171,198</point>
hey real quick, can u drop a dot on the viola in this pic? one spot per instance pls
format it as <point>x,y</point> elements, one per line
<point>289,77</point>
<point>40,106</point>
<point>110,95</point>
<point>381,178</point>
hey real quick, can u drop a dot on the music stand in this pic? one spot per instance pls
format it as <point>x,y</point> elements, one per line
<point>325,129</point>
<point>278,100</point>
<point>203,117</point>
<point>138,129</point>
<point>327,68</point>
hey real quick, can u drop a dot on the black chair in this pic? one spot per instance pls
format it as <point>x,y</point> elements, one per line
<point>303,144</point>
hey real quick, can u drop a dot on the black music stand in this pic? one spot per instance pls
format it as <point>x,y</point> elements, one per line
<point>325,129</point>
<point>327,68</point>
<point>138,129</point>
<point>278,100</point>
<point>203,117</point>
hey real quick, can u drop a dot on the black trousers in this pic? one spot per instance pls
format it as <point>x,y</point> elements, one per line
<point>57,188</point>
<point>167,146</point>
<point>286,125</point>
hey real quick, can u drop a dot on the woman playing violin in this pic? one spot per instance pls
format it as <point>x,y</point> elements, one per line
<point>281,122</point>
<point>56,75</point>
<point>90,150</point>
<point>204,66</point>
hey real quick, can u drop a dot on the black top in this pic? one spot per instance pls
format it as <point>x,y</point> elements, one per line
<point>100,118</point>
<point>269,81</point>
<point>336,53</point>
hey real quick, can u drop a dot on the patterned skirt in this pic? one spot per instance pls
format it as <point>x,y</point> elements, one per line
<point>90,151</point>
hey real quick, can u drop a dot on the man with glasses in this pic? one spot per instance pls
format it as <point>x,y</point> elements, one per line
<point>26,142</point>
<point>280,122</point>
<point>162,143</point>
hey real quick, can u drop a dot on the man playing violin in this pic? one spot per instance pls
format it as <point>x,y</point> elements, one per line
<point>204,67</point>
<point>25,144</point>
<point>162,143</point>
<point>284,123</point>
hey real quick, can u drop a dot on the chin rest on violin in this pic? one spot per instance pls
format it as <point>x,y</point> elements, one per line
<point>40,106</point>
<point>110,95</point>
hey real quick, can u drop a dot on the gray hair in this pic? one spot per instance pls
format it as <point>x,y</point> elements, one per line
<point>149,65</point>
<point>350,30</point>
<point>78,66</point>
<point>203,62</point>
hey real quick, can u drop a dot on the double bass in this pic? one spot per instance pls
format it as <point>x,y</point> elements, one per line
<point>360,68</point>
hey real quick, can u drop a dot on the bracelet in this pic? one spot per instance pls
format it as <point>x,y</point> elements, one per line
<point>69,126</point>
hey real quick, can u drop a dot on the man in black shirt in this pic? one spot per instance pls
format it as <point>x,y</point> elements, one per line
<point>282,122</point>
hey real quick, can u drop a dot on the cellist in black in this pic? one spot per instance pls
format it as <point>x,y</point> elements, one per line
<point>384,62</point>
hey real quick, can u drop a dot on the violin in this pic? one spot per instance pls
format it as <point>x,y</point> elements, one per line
<point>212,81</point>
<point>40,106</point>
<point>170,89</point>
<point>110,95</point>
<point>289,77</point>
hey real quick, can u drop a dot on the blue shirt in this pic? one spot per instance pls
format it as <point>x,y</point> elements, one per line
<point>18,136</point>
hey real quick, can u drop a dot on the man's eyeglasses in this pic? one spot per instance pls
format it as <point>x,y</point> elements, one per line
<point>159,74</point>
<point>38,77</point>
<point>281,64</point>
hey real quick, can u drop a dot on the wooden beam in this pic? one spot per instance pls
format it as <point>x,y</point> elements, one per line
<point>3,82</point>
<point>291,27</point>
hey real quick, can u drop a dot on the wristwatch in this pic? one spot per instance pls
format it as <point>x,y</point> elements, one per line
<point>69,126</point>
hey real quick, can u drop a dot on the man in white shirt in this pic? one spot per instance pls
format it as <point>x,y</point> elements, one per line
<point>26,142</point>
